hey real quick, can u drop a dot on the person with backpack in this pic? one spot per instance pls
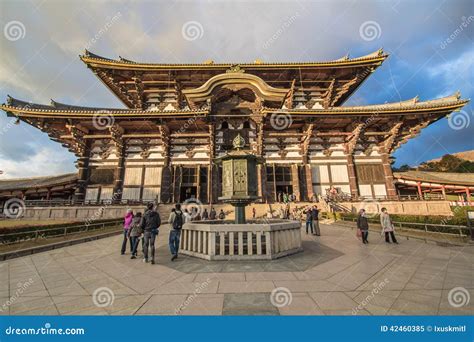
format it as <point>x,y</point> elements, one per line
<point>176,220</point>
<point>135,233</point>
<point>150,223</point>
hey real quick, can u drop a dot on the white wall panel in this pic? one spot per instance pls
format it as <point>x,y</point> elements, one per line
<point>152,176</point>
<point>131,194</point>
<point>150,194</point>
<point>380,190</point>
<point>106,193</point>
<point>92,194</point>
<point>133,176</point>
<point>339,174</point>
<point>320,173</point>
<point>365,190</point>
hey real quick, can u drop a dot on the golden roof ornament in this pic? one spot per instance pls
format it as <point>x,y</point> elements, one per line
<point>235,68</point>
<point>238,142</point>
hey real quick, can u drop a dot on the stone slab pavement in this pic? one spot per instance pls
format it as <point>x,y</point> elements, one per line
<point>335,275</point>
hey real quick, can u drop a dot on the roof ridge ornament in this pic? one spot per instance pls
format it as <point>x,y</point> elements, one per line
<point>235,68</point>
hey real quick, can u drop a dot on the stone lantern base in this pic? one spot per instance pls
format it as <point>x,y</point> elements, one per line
<point>224,240</point>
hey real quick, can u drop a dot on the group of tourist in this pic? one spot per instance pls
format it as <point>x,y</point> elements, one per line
<point>385,221</point>
<point>312,220</point>
<point>196,215</point>
<point>145,228</point>
<point>284,197</point>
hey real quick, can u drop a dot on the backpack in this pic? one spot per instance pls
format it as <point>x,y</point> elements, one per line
<point>178,220</point>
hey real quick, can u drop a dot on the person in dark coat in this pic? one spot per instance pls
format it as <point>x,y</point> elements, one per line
<point>315,214</point>
<point>212,214</point>
<point>363,225</point>
<point>151,221</point>
<point>309,220</point>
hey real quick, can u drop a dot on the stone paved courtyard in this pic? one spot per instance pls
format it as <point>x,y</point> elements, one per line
<point>335,275</point>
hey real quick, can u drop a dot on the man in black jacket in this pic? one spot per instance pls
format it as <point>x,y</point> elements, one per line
<point>150,223</point>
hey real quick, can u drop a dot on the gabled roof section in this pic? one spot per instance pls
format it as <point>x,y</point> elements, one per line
<point>37,182</point>
<point>92,60</point>
<point>448,103</point>
<point>21,108</point>
<point>138,84</point>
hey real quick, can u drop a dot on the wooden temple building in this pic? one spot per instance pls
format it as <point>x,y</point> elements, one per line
<point>180,117</point>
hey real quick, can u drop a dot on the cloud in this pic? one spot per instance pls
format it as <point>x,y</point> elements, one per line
<point>45,64</point>
<point>46,161</point>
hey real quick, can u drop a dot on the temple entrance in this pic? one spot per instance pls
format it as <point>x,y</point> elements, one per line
<point>187,192</point>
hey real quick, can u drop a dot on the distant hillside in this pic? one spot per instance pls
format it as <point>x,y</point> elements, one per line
<point>461,162</point>
<point>466,155</point>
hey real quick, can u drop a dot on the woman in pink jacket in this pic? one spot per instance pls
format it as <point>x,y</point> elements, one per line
<point>127,223</point>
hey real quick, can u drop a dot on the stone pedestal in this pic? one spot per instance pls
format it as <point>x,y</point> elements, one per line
<point>217,240</point>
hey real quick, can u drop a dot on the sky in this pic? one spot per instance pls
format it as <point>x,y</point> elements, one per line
<point>430,44</point>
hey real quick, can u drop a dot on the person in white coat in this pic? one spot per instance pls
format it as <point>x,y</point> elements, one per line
<point>387,226</point>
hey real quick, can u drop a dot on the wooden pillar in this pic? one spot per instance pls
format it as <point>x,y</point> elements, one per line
<point>418,187</point>
<point>295,182</point>
<point>82,175</point>
<point>198,185</point>
<point>262,182</point>
<point>48,195</point>
<point>309,182</point>
<point>119,174</point>
<point>352,176</point>
<point>387,170</point>
<point>468,194</point>
<point>209,183</point>
<point>443,191</point>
